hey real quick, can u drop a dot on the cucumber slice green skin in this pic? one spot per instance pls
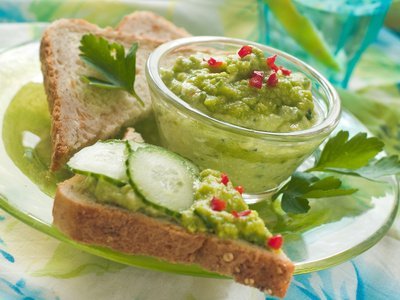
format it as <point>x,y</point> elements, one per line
<point>105,153</point>
<point>194,169</point>
<point>142,162</point>
<point>208,224</point>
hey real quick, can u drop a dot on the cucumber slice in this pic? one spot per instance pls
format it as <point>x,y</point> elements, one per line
<point>164,179</point>
<point>103,159</point>
<point>133,146</point>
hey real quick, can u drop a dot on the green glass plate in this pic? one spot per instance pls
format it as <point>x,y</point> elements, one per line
<point>335,229</point>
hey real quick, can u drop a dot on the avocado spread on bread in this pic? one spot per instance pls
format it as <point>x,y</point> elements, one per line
<point>218,207</point>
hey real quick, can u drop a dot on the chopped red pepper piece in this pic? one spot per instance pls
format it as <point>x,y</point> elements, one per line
<point>271,63</point>
<point>240,189</point>
<point>275,242</point>
<point>272,80</point>
<point>245,50</point>
<point>224,179</point>
<point>241,213</point>
<point>285,72</point>
<point>212,62</point>
<point>274,68</point>
<point>271,59</point>
<point>217,204</point>
<point>257,79</point>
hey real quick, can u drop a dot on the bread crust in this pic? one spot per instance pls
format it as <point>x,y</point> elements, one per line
<point>83,220</point>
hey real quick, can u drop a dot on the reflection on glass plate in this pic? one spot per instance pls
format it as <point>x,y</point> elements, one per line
<point>335,229</point>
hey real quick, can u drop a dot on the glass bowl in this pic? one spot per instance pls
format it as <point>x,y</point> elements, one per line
<point>260,161</point>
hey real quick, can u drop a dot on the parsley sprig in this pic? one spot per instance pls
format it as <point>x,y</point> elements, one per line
<point>354,156</point>
<point>108,59</point>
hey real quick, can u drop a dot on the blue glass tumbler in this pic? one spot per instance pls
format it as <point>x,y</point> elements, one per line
<point>344,27</point>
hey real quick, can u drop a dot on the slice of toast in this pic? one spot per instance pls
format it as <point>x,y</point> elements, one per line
<point>78,216</point>
<point>149,25</point>
<point>82,114</point>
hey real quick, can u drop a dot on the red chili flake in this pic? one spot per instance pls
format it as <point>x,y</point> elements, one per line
<point>235,213</point>
<point>217,204</point>
<point>224,179</point>
<point>271,59</point>
<point>275,242</point>
<point>241,213</point>
<point>285,72</point>
<point>212,62</point>
<point>272,80</point>
<point>271,63</point>
<point>240,189</point>
<point>245,50</point>
<point>257,79</point>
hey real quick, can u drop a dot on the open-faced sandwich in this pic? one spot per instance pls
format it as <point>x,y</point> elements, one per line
<point>143,199</point>
<point>139,198</point>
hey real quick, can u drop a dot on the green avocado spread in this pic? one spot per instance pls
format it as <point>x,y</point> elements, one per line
<point>226,223</point>
<point>234,221</point>
<point>244,90</point>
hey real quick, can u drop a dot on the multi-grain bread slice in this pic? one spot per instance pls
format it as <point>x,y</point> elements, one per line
<point>78,216</point>
<point>149,25</point>
<point>81,114</point>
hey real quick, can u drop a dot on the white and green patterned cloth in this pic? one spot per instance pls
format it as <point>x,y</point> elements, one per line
<point>36,266</point>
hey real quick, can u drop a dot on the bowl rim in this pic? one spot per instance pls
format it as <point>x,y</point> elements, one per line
<point>325,127</point>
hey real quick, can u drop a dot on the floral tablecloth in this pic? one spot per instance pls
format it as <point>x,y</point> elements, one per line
<point>36,266</point>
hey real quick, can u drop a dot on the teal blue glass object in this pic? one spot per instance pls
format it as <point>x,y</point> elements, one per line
<point>346,27</point>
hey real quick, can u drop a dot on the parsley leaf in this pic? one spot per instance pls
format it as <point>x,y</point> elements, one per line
<point>303,186</point>
<point>109,60</point>
<point>342,152</point>
<point>354,156</point>
<point>375,169</point>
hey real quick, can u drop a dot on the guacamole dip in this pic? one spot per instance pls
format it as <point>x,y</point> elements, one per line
<point>217,208</point>
<point>245,89</point>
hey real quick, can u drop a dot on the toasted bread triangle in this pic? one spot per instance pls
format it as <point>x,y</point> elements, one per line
<point>149,25</point>
<point>82,114</point>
